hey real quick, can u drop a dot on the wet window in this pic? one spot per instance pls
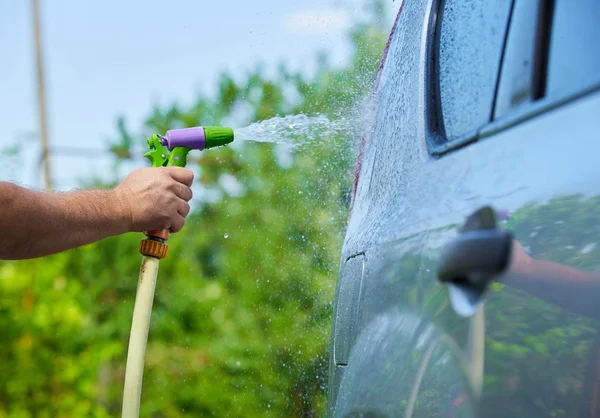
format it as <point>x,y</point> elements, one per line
<point>471,38</point>
<point>574,57</point>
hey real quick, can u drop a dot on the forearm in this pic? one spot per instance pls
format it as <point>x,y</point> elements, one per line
<point>34,224</point>
<point>569,288</point>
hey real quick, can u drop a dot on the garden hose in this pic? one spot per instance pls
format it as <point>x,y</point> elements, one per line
<point>154,248</point>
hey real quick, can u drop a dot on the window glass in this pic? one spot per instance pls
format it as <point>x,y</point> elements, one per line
<point>471,39</point>
<point>574,58</point>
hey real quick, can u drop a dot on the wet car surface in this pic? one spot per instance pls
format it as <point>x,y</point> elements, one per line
<point>470,273</point>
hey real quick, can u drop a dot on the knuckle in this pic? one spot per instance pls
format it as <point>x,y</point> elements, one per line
<point>173,200</point>
<point>164,217</point>
<point>171,186</point>
<point>166,177</point>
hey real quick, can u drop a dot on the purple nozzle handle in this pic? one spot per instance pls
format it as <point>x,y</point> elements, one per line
<point>192,138</point>
<point>503,214</point>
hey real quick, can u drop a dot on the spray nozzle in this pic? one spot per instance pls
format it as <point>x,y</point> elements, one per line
<point>181,141</point>
<point>199,138</point>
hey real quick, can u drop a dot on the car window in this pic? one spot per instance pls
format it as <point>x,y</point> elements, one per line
<point>574,56</point>
<point>521,81</point>
<point>471,39</point>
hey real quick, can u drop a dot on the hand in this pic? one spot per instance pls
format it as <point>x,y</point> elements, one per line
<point>156,198</point>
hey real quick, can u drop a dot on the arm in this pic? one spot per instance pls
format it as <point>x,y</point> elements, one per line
<point>567,287</point>
<point>35,224</point>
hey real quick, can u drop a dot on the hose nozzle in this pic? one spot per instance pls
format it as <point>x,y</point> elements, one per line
<point>181,141</point>
<point>198,138</point>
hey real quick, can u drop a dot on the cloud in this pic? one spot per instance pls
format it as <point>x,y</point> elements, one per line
<point>311,22</point>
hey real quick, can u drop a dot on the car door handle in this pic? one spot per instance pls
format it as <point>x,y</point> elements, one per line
<point>475,257</point>
<point>468,263</point>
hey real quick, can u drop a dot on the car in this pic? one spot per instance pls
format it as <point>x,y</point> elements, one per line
<point>469,283</point>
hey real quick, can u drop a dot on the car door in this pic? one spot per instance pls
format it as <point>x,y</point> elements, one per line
<point>523,268</point>
<point>476,218</point>
<point>392,350</point>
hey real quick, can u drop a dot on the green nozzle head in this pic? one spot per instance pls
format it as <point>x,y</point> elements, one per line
<point>217,136</point>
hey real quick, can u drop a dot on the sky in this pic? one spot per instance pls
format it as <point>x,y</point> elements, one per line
<point>108,58</point>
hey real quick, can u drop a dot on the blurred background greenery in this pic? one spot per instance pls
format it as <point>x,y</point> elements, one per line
<point>243,305</point>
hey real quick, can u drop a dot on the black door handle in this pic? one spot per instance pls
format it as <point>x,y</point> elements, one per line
<point>478,254</point>
<point>475,257</point>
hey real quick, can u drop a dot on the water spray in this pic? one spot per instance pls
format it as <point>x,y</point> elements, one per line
<point>164,151</point>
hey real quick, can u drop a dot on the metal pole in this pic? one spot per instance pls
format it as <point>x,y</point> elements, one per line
<point>43,125</point>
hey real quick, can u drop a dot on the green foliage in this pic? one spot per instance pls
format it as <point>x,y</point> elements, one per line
<point>243,305</point>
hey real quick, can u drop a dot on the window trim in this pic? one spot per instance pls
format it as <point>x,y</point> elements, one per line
<point>435,132</point>
<point>534,109</point>
<point>527,111</point>
<point>515,118</point>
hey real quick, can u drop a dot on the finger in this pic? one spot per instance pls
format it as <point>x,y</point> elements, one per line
<point>182,175</point>
<point>182,192</point>
<point>177,224</point>
<point>184,209</point>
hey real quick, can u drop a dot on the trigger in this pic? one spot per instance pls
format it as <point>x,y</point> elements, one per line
<point>156,157</point>
<point>157,154</point>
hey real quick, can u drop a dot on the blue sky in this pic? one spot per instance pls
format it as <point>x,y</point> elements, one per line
<point>106,58</point>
